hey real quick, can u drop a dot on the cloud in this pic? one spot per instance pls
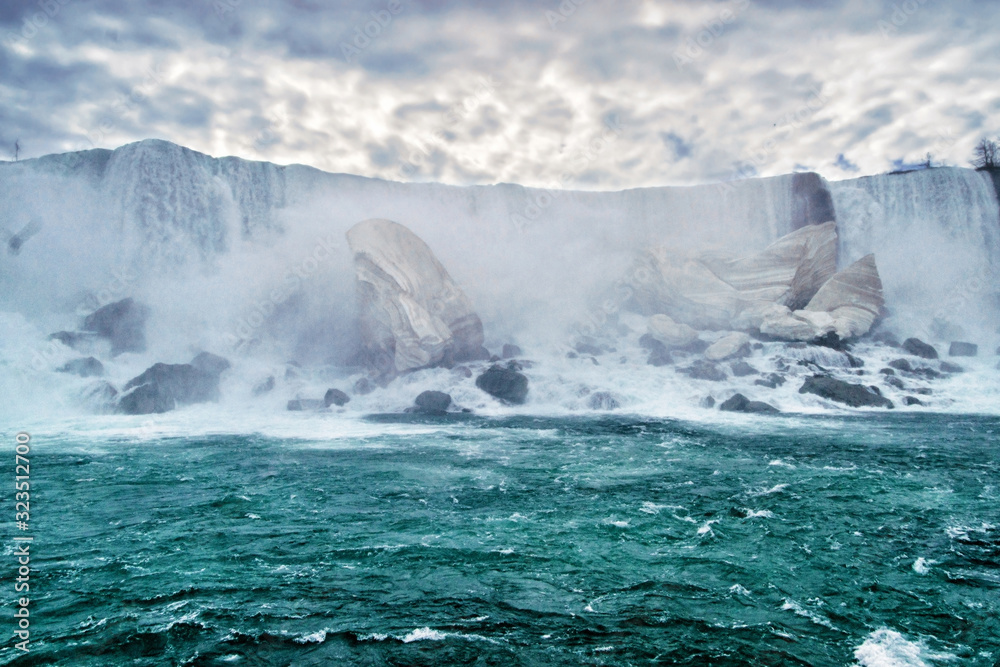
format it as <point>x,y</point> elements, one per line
<point>772,87</point>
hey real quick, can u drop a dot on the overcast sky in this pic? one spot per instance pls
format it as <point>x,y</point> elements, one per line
<point>604,94</point>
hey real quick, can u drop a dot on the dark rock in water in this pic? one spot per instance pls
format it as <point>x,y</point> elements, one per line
<point>855,362</point>
<point>894,382</point>
<point>771,381</point>
<point>694,347</point>
<point>301,404</point>
<point>590,349</point>
<point>433,402</point>
<point>854,395</point>
<point>704,370</point>
<point>123,323</point>
<point>513,365</point>
<point>505,384</point>
<point>569,355</point>
<point>911,400</point>
<point>210,363</point>
<point>901,365</point>
<point>161,387</point>
<point>948,367</point>
<point>335,397</point>
<point>887,371</point>
<point>707,402</point>
<point>510,351</point>
<point>293,369</point>
<point>85,368</point>
<point>74,339</point>
<point>742,369</point>
<point>928,373</point>
<point>919,348</point>
<point>659,355</point>
<point>264,387</point>
<point>740,403</point>
<point>101,396</point>
<point>363,386</point>
<point>604,400</point>
<point>923,391</point>
<point>886,338</point>
<point>464,371</point>
<point>959,349</point>
<point>830,340</point>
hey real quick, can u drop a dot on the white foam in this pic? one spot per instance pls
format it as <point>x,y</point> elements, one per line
<point>887,648</point>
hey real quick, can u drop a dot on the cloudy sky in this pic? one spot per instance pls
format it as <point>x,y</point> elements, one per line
<point>592,94</point>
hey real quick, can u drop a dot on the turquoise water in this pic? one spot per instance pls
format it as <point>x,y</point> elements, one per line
<point>521,541</point>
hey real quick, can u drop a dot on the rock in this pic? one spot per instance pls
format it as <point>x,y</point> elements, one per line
<point>412,313</point>
<point>670,333</point>
<point>887,371</point>
<point>886,338</point>
<point>854,395</point>
<point>912,400</point>
<point>335,397</point>
<point>162,387</point>
<point>831,340</point>
<point>740,403</point>
<point>853,298</point>
<point>771,381</point>
<point>210,363</point>
<point>658,353</point>
<point>948,367</point>
<point>75,339</point>
<point>894,382</point>
<point>788,272</point>
<point>464,371</point>
<point>603,400</point>
<point>959,349</point>
<point>263,387</point>
<point>919,348</point>
<point>505,384</point>
<point>812,203</point>
<point>707,402</point>
<point>742,369</point>
<point>433,402</point>
<point>85,367</point>
<point>731,346</point>
<point>510,351</point>
<point>704,370</point>
<point>363,386</point>
<point>100,396</point>
<point>293,370</point>
<point>901,365</point>
<point>589,349</point>
<point>123,323</point>
<point>301,404</point>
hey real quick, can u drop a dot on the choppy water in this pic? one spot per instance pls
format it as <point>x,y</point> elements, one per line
<point>826,540</point>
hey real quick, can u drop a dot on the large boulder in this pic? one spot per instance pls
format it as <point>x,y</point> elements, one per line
<point>503,383</point>
<point>714,292</point>
<point>412,313</point>
<point>85,368</point>
<point>432,402</point>
<point>729,347</point>
<point>122,323</point>
<point>162,387</point>
<point>740,403</point>
<point>919,348</point>
<point>335,397</point>
<point>960,349</point>
<point>670,333</point>
<point>854,395</point>
<point>853,297</point>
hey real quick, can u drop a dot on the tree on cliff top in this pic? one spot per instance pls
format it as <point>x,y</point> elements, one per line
<point>986,154</point>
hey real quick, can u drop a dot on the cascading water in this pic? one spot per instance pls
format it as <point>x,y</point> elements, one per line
<point>248,259</point>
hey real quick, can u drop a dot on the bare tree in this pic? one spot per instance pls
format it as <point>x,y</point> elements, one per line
<point>986,154</point>
<point>17,148</point>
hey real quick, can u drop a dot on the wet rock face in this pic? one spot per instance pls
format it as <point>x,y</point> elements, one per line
<point>919,348</point>
<point>122,323</point>
<point>85,368</point>
<point>960,349</point>
<point>812,203</point>
<point>505,384</point>
<point>603,400</point>
<point>412,313</point>
<point>854,395</point>
<point>335,397</point>
<point>162,387</point>
<point>433,402</point>
<point>740,403</point>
